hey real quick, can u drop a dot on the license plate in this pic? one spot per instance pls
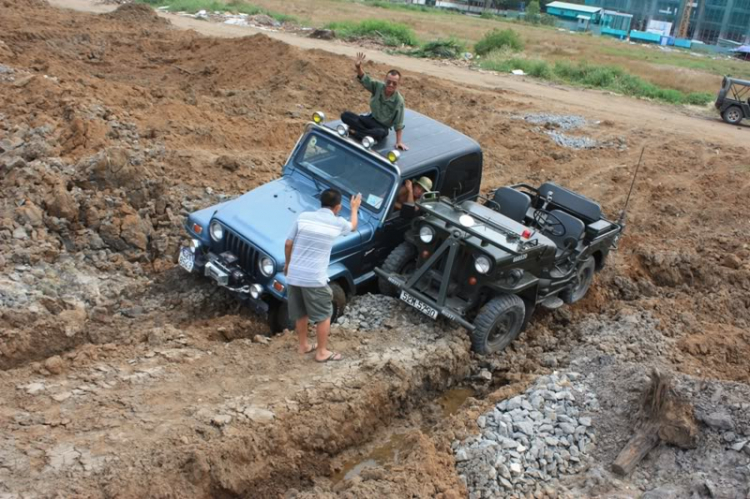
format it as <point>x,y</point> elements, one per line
<point>422,307</point>
<point>187,259</point>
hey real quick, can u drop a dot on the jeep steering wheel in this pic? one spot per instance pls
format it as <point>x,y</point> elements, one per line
<point>549,223</point>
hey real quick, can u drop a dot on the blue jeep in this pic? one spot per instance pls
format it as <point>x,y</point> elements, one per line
<point>240,243</point>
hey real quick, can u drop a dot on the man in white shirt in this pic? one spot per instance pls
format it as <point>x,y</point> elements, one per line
<point>308,254</point>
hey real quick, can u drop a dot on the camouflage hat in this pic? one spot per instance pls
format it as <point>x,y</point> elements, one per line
<point>425,183</point>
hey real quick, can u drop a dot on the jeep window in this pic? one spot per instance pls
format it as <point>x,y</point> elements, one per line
<point>463,175</point>
<point>345,170</point>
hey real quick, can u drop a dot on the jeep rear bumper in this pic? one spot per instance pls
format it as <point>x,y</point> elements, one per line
<point>400,283</point>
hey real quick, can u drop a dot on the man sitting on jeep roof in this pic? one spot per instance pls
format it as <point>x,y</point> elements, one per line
<point>386,106</point>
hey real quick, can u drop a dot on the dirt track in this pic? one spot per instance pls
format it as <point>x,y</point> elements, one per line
<point>696,124</point>
<point>123,378</point>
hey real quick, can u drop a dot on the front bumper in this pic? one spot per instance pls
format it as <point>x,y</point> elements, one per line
<point>447,312</point>
<point>225,275</point>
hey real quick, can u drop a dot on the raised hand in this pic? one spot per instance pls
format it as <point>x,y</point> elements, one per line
<point>359,60</point>
<point>356,201</point>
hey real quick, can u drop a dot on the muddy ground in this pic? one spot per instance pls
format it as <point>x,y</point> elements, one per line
<point>123,377</point>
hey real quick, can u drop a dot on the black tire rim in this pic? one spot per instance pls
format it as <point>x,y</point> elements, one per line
<point>502,330</point>
<point>585,275</point>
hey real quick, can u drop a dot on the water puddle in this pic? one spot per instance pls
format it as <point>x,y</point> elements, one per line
<point>390,453</point>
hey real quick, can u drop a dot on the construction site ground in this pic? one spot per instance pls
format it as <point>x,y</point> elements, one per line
<point>123,376</point>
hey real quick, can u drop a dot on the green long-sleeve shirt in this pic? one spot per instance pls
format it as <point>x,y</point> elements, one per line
<point>389,111</point>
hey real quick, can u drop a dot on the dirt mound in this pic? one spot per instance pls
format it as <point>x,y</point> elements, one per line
<point>137,13</point>
<point>25,4</point>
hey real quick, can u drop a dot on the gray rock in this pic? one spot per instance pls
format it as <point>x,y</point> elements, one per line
<point>505,483</point>
<point>719,421</point>
<point>221,419</point>
<point>585,421</point>
<point>739,445</point>
<point>568,428</point>
<point>482,421</point>
<point>526,428</point>
<point>729,437</point>
<point>514,403</point>
<point>461,456</point>
<point>551,441</point>
<point>507,443</point>
<point>503,470</point>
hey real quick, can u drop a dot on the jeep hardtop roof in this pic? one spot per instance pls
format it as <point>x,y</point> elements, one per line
<point>430,142</point>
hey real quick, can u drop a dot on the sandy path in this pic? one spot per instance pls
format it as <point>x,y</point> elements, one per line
<point>600,105</point>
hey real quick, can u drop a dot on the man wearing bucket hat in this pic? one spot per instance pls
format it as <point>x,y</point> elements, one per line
<point>410,192</point>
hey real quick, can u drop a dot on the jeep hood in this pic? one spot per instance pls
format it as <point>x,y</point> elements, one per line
<point>265,215</point>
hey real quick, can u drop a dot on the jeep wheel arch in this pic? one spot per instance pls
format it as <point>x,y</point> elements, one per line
<point>498,323</point>
<point>399,260</point>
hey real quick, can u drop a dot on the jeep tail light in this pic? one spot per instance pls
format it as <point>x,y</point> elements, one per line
<point>472,281</point>
<point>425,255</point>
<point>526,234</point>
<point>197,228</point>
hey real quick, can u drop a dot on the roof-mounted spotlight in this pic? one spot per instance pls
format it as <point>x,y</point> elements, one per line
<point>393,156</point>
<point>343,129</point>
<point>319,117</point>
<point>368,142</point>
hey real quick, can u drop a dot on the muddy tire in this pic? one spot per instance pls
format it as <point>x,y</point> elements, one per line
<point>498,323</point>
<point>732,115</point>
<point>398,262</point>
<point>278,316</point>
<point>583,282</point>
<point>339,301</point>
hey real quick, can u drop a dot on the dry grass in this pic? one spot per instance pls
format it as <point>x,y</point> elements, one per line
<point>675,69</point>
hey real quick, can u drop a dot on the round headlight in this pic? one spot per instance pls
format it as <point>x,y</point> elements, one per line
<point>342,129</point>
<point>426,234</point>
<point>266,266</point>
<point>255,291</point>
<point>482,264</point>
<point>368,142</point>
<point>216,231</point>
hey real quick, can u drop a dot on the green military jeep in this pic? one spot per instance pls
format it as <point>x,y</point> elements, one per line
<point>487,264</point>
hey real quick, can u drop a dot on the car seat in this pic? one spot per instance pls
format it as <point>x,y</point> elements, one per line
<point>574,229</point>
<point>513,204</point>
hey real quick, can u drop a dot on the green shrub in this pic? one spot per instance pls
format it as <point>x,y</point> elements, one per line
<point>389,33</point>
<point>439,49</point>
<point>498,39</point>
<point>606,77</point>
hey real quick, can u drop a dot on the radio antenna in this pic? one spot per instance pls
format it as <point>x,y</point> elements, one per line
<point>624,211</point>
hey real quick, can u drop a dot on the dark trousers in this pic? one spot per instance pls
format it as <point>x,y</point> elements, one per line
<point>362,126</point>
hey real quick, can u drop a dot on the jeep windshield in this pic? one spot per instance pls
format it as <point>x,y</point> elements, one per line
<point>345,170</point>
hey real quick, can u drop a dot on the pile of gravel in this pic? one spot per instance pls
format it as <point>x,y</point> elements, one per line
<point>571,141</point>
<point>530,440</point>
<point>563,122</point>
<point>368,312</point>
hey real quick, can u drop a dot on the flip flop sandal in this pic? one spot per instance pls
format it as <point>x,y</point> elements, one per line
<point>330,358</point>
<point>312,348</point>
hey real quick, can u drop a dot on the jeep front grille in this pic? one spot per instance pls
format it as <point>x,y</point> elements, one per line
<point>246,254</point>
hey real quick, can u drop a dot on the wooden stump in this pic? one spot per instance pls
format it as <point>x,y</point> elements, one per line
<point>663,417</point>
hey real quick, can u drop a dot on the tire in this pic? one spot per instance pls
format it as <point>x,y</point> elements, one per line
<point>732,115</point>
<point>339,301</point>
<point>584,278</point>
<point>397,263</point>
<point>278,316</point>
<point>498,323</point>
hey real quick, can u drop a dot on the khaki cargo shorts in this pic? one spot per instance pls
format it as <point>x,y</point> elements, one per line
<point>315,303</point>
